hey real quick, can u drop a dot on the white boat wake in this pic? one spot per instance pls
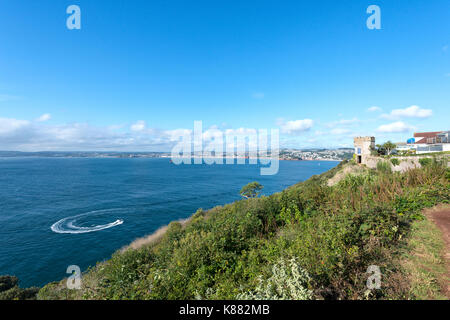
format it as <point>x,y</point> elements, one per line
<point>68,224</point>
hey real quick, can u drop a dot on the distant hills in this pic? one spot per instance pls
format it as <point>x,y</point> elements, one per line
<point>284,154</point>
<point>84,154</point>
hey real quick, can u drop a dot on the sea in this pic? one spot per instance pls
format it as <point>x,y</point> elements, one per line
<point>58,212</point>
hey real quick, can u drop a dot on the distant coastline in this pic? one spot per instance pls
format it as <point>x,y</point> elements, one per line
<point>284,154</point>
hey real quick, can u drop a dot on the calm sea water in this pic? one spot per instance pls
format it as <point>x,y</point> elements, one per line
<point>56,212</point>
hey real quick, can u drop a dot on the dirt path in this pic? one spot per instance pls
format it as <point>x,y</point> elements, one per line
<point>441,217</point>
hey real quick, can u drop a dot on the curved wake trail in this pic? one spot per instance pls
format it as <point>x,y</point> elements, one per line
<point>68,224</point>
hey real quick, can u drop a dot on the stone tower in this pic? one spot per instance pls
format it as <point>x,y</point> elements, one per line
<point>363,147</point>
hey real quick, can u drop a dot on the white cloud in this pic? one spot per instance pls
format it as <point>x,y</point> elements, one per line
<point>9,126</point>
<point>319,133</point>
<point>240,132</point>
<point>410,112</point>
<point>174,135</point>
<point>24,135</point>
<point>395,127</point>
<point>44,117</point>
<point>339,131</point>
<point>138,126</point>
<point>116,126</point>
<point>347,122</point>
<point>296,126</point>
<point>374,109</point>
<point>343,122</point>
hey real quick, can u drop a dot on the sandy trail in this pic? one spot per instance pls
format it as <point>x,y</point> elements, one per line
<point>441,217</point>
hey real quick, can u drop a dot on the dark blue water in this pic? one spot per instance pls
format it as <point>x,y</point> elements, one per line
<point>143,193</point>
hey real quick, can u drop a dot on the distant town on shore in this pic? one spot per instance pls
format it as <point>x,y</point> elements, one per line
<point>338,154</point>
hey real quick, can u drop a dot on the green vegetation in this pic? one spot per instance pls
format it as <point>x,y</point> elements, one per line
<point>434,154</point>
<point>395,161</point>
<point>311,241</point>
<point>286,283</point>
<point>251,190</point>
<point>423,261</point>
<point>9,290</point>
<point>421,258</point>
<point>425,161</point>
<point>384,167</point>
<point>386,148</point>
<point>389,146</point>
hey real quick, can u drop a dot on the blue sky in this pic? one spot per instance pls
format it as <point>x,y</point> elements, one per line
<point>140,72</point>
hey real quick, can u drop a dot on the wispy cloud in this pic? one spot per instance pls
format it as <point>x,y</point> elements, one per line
<point>139,126</point>
<point>44,117</point>
<point>395,127</point>
<point>295,126</point>
<point>374,109</point>
<point>410,112</point>
<point>343,122</point>
<point>9,126</point>
<point>25,135</point>
<point>340,131</point>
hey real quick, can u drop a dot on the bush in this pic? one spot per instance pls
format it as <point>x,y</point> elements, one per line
<point>9,289</point>
<point>425,162</point>
<point>354,181</point>
<point>395,161</point>
<point>288,281</point>
<point>384,167</point>
<point>16,293</point>
<point>7,282</point>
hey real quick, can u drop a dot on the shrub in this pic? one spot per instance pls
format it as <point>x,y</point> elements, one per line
<point>288,281</point>
<point>384,167</point>
<point>425,162</point>
<point>395,161</point>
<point>354,181</point>
<point>9,289</point>
<point>291,214</point>
<point>7,282</point>
<point>16,293</point>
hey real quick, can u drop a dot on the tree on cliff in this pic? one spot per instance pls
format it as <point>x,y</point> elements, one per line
<point>251,190</point>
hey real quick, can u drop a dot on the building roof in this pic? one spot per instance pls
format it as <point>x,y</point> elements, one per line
<point>425,136</point>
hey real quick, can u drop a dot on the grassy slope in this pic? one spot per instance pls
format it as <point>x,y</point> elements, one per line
<point>309,241</point>
<point>421,256</point>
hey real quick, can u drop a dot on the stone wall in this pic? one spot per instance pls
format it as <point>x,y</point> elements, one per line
<point>406,163</point>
